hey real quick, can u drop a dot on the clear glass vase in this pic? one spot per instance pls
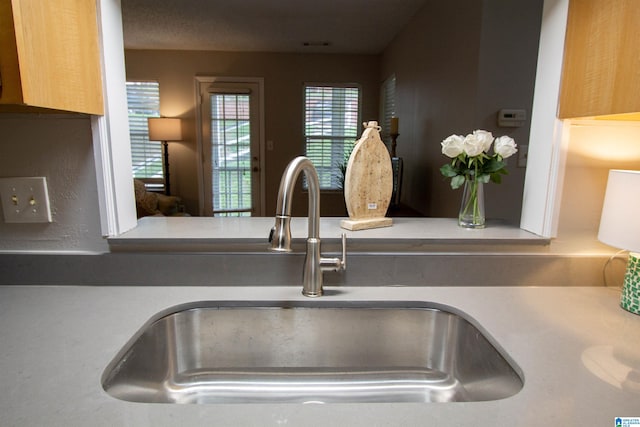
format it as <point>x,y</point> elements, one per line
<point>472,207</point>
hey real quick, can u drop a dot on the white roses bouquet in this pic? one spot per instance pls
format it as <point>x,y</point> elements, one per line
<point>471,159</point>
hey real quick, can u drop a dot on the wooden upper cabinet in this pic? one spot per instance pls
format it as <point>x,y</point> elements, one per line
<point>601,69</point>
<point>49,56</point>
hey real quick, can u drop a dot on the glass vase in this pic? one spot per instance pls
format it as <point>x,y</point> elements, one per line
<point>472,207</point>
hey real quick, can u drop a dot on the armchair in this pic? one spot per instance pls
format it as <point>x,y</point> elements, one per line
<point>149,203</point>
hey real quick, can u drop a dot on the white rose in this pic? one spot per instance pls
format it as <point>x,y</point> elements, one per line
<point>452,146</point>
<point>473,145</point>
<point>505,147</point>
<point>485,137</point>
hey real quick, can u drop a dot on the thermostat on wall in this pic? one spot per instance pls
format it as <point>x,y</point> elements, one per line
<point>511,118</point>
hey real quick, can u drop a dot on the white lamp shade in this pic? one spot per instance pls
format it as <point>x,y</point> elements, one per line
<point>620,221</point>
<point>164,129</point>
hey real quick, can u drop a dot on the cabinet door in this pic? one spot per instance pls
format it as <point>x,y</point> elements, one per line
<point>601,69</point>
<point>54,46</point>
<point>11,87</point>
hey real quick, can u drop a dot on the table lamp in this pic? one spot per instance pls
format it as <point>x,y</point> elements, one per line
<point>620,227</point>
<point>165,129</point>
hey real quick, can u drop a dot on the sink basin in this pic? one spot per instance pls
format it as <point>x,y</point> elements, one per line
<point>310,352</point>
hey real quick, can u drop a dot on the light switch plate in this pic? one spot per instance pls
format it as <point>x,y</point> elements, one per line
<point>523,154</point>
<point>25,199</point>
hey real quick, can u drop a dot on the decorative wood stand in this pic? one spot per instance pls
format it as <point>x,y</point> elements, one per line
<point>368,182</point>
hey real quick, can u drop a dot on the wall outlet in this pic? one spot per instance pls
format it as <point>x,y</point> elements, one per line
<point>25,200</point>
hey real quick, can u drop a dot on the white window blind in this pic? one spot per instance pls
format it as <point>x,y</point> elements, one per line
<point>143,99</point>
<point>332,115</point>
<point>231,154</point>
<point>388,107</point>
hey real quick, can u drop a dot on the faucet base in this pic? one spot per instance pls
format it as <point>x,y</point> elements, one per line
<point>312,294</point>
<point>312,270</point>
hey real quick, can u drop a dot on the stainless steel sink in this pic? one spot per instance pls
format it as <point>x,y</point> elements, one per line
<point>310,352</point>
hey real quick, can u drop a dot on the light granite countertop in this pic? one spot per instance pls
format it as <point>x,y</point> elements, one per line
<point>578,350</point>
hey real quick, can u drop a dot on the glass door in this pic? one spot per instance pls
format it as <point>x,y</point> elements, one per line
<point>231,149</point>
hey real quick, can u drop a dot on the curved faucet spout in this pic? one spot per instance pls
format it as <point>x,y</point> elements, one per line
<point>287,185</point>
<point>280,237</point>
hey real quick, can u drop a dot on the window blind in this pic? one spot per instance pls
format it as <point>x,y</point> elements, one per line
<point>143,100</point>
<point>231,154</point>
<point>388,107</point>
<point>331,115</point>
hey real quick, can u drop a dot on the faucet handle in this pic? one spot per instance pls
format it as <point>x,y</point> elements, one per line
<point>336,264</point>
<point>343,262</point>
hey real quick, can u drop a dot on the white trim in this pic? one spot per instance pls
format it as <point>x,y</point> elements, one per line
<point>102,159</point>
<point>546,158</point>
<point>199,82</point>
<point>111,145</point>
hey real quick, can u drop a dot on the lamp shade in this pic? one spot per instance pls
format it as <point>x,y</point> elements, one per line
<point>164,129</point>
<point>620,221</point>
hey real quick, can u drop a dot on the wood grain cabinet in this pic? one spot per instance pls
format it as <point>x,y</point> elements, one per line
<point>601,69</point>
<point>49,56</point>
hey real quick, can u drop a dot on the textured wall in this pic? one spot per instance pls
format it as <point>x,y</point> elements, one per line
<point>59,148</point>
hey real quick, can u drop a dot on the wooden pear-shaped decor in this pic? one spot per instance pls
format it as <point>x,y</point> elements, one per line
<point>368,183</point>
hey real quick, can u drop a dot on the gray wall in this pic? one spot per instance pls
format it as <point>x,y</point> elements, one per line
<point>58,147</point>
<point>457,63</point>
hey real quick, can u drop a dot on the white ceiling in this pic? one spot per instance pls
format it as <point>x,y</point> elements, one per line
<point>349,26</point>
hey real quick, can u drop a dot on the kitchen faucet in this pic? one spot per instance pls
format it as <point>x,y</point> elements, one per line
<point>280,237</point>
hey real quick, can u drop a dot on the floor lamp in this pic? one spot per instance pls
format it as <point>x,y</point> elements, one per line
<point>165,129</point>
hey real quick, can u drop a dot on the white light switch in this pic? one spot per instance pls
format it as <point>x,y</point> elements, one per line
<point>25,199</point>
<point>523,154</point>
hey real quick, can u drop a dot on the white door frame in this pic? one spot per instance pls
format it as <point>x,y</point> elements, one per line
<point>544,177</point>
<point>110,132</point>
<point>202,82</point>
